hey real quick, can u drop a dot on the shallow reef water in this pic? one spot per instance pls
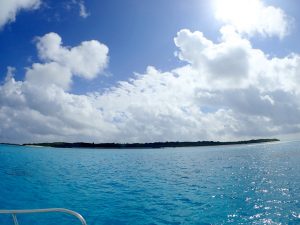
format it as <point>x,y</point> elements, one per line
<point>243,184</point>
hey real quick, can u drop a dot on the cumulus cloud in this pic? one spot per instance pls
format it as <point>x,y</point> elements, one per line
<point>39,108</point>
<point>193,102</point>
<point>222,64</point>
<point>52,73</point>
<point>253,17</point>
<point>227,90</point>
<point>86,60</point>
<point>9,9</point>
<point>256,88</point>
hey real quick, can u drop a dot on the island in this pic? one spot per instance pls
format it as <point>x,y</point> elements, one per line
<point>148,145</point>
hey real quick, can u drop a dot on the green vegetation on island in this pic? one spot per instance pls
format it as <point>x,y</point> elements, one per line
<point>148,145</point>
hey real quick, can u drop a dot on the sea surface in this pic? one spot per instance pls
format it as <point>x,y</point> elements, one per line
<point>245,184</point>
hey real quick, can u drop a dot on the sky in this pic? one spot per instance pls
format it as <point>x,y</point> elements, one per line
<point>146,71</point>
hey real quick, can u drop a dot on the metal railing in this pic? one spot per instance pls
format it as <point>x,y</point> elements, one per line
<point>26,211</point>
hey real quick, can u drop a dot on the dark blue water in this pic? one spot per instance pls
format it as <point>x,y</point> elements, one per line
<point>258,184</point>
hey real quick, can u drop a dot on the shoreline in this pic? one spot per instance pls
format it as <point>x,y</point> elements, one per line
<point>146,145</point>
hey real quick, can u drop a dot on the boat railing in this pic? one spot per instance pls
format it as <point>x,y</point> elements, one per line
<point>14,213</point>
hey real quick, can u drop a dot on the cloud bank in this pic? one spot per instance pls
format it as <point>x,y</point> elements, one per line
<point>213,97</point>
<point>227,90</point>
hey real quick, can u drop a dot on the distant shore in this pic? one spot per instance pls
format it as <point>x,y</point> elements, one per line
<point>146,145</point>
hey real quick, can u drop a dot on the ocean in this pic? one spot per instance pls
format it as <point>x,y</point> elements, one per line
<point>243,184</point>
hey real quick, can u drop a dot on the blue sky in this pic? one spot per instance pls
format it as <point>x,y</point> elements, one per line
<point>139,34</point>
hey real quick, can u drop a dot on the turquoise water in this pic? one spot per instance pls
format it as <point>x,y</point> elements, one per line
<point>258,184</point>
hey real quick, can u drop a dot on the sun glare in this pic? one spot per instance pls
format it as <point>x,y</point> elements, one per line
<point>241,13</point>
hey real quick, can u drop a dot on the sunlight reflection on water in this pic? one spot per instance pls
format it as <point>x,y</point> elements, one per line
<point>256,184</point>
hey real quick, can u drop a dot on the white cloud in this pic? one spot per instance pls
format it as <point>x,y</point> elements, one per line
<point>86,60</point>
<point>222,65</point>
<point>253,17</point>
<point>234,63</point>
<point>226,91</point>
<point>40,108</point>
<point>10,73</point>
<point>43,75</point>
<point>82,9</point>
<point>260,91</point>
<point>79,4</point>
<point>10,8</point>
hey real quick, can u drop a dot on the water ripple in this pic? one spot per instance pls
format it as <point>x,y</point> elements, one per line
<point>217,185</point>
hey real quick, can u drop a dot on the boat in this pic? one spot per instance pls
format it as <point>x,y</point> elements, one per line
<point>14,213</point>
